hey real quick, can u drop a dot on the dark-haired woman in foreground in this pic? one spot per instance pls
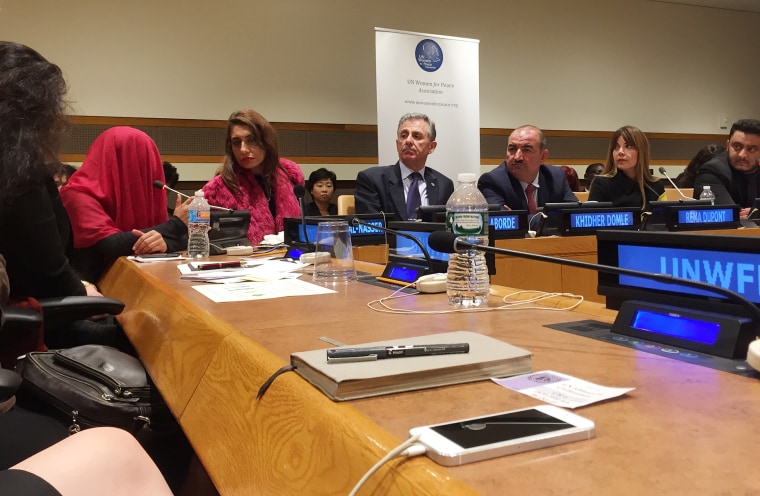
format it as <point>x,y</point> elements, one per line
<point>35,234</point>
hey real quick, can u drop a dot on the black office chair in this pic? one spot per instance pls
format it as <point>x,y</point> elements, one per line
<point>17,320</point>
<point>68,322</point>
<point>65,322</point>
<point>58,314</point>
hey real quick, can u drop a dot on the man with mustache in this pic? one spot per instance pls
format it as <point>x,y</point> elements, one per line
<point>732,175</point>
<point>402,187</point>
<point>523,181</point>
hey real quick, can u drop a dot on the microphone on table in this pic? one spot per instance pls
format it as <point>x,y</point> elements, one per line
<point>300,191</point>
<point>448,242</point>
<point>664,173</point>
<point>356,222</point>
<point>161,185</point>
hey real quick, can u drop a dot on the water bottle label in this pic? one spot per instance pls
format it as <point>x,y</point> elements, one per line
<point>199,216</point>
<point>467,223</point>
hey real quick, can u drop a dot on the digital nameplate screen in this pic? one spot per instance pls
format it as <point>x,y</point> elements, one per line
<point>360,231</point>
<point>706,216</point>
<point>693,217</point>
<point>311,232</point>
<point>737,271</point>
<point>405,247</point>
<point>511,224</point>
<point>588,220</point>
<point>601,220</point>
<point>507,222</point>
<point>676,326</point>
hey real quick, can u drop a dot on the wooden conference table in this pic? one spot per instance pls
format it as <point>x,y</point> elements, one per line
<point>684,429</point>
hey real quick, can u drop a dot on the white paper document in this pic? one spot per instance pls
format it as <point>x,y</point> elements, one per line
<point>155,257</point>
<point>267,270</point>
<point>560,389</point>
<point>245,291</point>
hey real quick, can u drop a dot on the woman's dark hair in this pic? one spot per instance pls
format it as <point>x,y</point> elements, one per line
<point>32,116</point>
<point>689,175</point>
<point>320,175</point>
<point>572,178</point>
<point>171,176</point>
<point>265,135</point>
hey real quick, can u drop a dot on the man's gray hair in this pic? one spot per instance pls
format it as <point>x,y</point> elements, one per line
<point>413,116</point>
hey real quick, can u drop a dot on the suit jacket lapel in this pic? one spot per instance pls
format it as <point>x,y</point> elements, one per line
<point>543,190</point>
<point>518,191</point>
<point>396,190</point>
<point>433,192</point>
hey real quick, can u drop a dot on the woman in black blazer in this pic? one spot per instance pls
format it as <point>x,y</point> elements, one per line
<point>321,186</point>
<point>625,180</point>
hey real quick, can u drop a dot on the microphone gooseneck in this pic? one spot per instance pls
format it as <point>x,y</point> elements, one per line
<point>300,191</point>
<point>356,222</point>
<point>664,173</point>
<point>449,242</point>
<point>158,184</point>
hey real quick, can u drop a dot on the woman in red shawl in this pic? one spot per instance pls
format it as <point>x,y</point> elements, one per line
<point>114,208</point>
<point>254,177</point>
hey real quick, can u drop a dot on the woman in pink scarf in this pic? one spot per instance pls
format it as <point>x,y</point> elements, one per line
<point>254,177</point>
<point>114,208</point>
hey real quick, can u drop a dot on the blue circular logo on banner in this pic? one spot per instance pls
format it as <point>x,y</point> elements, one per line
<point>429,55</point>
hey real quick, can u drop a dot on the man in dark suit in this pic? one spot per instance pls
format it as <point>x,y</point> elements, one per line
<point>733,175</point>
<point>402,187</point>
<point>522,181</point>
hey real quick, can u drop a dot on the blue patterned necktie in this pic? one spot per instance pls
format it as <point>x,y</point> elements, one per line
<point>413,200</point>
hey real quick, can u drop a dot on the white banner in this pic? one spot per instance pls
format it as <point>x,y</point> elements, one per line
<point>434,75</point>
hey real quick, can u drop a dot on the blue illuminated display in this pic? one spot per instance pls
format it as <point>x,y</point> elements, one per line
<point>407,248</point>
<point>698,331</point>
<point>362,230</point>
<point>311,232</point>
<point>294,253</point>
<point>739,272</point>
<point>356,231</point>
<point>502,223</point>
<point>597,220</point>
<point>706,216</point>
<point>403,274</point>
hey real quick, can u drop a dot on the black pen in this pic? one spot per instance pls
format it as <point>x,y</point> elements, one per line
<point>382,352</point>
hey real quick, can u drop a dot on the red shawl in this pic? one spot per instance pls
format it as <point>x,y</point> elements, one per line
<point>113,190</point>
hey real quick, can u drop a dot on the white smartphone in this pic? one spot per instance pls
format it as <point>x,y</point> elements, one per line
<point>480,438</point>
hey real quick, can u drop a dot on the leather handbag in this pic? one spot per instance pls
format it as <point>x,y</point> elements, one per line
<point>94,385</point>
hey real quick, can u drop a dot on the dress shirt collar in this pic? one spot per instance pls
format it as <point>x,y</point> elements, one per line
<point>406,172</point>
<point>534,183</point>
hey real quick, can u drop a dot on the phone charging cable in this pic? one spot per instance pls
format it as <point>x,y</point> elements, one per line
<point>408,448</point>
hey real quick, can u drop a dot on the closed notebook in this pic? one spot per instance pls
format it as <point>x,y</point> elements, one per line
<point>488,357</point>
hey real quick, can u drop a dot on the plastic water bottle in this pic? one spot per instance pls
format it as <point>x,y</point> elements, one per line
<point>467,282</point>
<point>198,225</point>
<point>707,194</point>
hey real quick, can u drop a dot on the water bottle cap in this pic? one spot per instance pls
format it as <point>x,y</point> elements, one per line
<point>706,187</point>
<point>466,177</point>
<point>199,193</point>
